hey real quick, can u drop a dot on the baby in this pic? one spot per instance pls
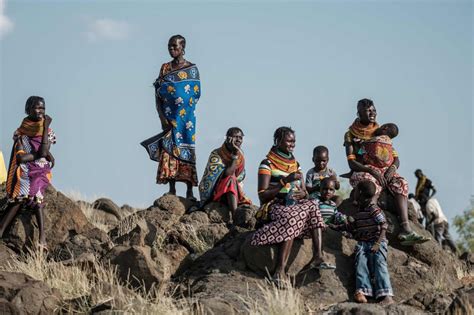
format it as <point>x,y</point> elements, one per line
<point>378,151</point>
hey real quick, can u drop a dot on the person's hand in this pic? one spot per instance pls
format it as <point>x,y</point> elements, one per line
<point>390,172</point>
<point>299,193</point>
<point>332,226</point>
<point>165,125</point>
<point>375,248</point>
<point>231,143</point>
<point>292,177</point>
<point>379,178</point>
<point>47,120</point>
<point>51,160</point>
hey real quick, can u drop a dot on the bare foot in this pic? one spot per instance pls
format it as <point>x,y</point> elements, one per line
<point>387,300</point>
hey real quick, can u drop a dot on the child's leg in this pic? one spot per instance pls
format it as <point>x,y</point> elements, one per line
<point>383,287</point>
<point>11,211</point>
<point>363,284</point>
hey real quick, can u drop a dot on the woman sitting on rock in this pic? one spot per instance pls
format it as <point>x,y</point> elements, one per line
<point>225,172</point>
<point>29,172</point>
<point>363,130</point>
<point>285,207</point>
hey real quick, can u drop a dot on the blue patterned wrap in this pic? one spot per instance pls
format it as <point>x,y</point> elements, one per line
<point>179,92</point>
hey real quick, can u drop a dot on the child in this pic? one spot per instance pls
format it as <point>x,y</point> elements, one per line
<point>320,171</point>
<point>327,206</point>
<point>368,226</point>
<point>29,172</point>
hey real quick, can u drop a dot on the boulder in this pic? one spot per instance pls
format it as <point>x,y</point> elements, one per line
<point>108,206</point>
<point>63,217</point>
<point>171,203</point>
<point>6,256</point>
<point>135,265</point>
<point>244,216</point>
<point>217,212</point>
<point>93,241</point>
<point>195,218</point>
<point>21,294</point>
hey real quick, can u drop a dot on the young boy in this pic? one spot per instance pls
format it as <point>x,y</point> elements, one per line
<point>320,171</point>
<point>368,226</point>
<point>327,206</point>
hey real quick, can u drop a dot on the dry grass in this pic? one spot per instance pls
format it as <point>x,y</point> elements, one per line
<point>94,218</point>
<point>275,301</point>
<point>92,285</point>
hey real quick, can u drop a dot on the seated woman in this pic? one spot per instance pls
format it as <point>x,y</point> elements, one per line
<point>285,208</point>
<point>384,176</point>
<point>225,172</point>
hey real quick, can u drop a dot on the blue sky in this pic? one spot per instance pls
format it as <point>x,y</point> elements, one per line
<point>262,65</point>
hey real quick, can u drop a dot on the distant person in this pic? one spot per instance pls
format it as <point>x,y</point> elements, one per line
<point>29,171</point>
<point>380,165</point>
<point>436,218</point>
<point>177,92</point>
<point>368,227</point>
<point>415,208</point>
<point>225,172</point>
<point>321,170</point>
<point>285,210</point>
<point>424,186</point>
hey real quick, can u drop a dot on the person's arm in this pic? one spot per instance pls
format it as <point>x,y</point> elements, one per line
<point>309,185</point>
<point>230,169</point>
<point>375,248</point>
<point>356,166</point>
<point>44,148</point>
<point>267,192</point>
<point>433,191</point>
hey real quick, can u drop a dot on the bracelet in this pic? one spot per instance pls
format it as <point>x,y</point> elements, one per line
<point>234,157</point>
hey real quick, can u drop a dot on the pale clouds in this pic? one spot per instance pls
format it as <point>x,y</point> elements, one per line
<point>107,29</point>
<point>6,25</point>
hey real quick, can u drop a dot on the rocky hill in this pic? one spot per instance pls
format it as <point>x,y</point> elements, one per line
<point>103,257</point>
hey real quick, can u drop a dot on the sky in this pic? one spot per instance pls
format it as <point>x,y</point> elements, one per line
<point>263,65</point>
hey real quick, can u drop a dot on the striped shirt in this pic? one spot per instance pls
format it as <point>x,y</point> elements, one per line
<point>314,178</point>
<point>366,224</point>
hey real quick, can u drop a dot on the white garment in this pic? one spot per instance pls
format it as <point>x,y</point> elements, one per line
<point>434,211</point>
<point>414,206</point>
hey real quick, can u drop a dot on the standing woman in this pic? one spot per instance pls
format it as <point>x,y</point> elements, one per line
<point>177,91</point>
<point>29,172</point>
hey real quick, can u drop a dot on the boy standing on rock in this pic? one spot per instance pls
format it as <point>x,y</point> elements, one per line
<point>368,226</point>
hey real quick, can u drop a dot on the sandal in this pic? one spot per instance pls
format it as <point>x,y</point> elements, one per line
<point>412,238</point>
<point>323,266</point>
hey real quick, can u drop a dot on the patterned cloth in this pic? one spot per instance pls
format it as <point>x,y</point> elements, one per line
<point>28,181</point>
<point>289,222</point>
<point>214,184</point>
<point>314,178</point>
<point>397,185</point>
<point>378,151</point>
<point>174,149</point>
<point>366,224</point>
<point>330,214</point>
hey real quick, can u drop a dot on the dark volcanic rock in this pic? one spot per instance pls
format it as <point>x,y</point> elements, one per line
<point>23,294</point>
<point>108,206</point>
